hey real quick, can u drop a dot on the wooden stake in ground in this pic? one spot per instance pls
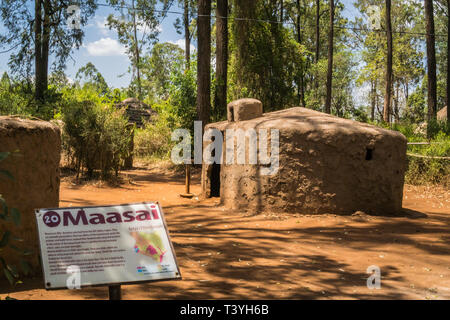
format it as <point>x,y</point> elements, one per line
<point>188,193</point>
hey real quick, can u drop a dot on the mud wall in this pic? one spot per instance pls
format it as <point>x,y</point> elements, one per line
<point>314,177</point>
<point>34,164</point>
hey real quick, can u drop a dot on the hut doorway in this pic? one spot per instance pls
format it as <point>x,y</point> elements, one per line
<point>215,180</point>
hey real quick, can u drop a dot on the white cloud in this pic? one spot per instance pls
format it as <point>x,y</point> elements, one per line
<point>181,44</point>
<point>105,47</point>
<point>101,25</point>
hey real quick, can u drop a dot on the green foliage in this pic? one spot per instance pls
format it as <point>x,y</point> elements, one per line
<point>183,97</point>
<point>359,114</point>
<point>177,111</point>
<point>427,163</point>
<point>176,107</point>
<point>276,62</point>
<point>342,87</point>
<point>264,60</point>
<point>154,140</point>
<point>18,33</point>
<point>92,77</point>
<point>409,131</point>
<point>14,99</point>
<point>416,105</point>
<point>426,171</point>
<point>95,136</point>
<point>158,67</point>
<point>408,58</point>
<point>7,239</point>
<point>435,128</point>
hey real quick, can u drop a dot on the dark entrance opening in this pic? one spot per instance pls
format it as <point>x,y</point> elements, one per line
<point>215,180</point>
<point>369,154</point>
<point>215,173</point>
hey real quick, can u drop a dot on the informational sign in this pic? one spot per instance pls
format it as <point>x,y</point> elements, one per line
<point>123,244</point>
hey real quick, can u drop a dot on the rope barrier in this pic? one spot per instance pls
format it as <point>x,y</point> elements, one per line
<point>427,157</point>
<point>423,143</point>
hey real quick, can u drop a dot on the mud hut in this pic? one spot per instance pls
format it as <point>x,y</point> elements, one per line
<point>137,113</point>
<point>35,148</point>
<point>326,164</point>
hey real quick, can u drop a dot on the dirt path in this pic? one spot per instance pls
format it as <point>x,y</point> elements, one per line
<point>228,255</point>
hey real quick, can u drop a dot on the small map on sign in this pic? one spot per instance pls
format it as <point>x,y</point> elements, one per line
<point>149,244</point>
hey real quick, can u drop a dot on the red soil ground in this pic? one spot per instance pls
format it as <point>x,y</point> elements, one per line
<point>235,255</point>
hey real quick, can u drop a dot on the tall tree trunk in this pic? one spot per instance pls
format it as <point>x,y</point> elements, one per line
<point>388,91</point>
<point>136,53</point>
<point>407,91</point>
<point>39,88</point>
<point>448,62</point>
<point>41,40</point>
<point>316,80</point>
<point>187,34</point>
<point>204,61</point>
<point>373,93</point>
<point>378,105</point>
<point>281,11</point>
<point>241,34</point>
<point>330,59</point>
<point>220,99</point>
<point>275,36</point>
<point>431,61</point>
<point>301,80</point>
<point>45,43</point>
<point>396,108</point>
<point>317,30</point>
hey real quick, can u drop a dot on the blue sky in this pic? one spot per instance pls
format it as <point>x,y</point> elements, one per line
<point>107,54</point>
<point>100,46</point>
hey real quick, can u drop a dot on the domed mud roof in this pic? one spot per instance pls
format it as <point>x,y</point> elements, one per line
<point>306,121</point>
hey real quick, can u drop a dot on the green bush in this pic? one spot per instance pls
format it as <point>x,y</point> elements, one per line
<point>434,128</point>
<point>177,111</point>
<point>427,163</point>
<point>95,137</point>
<point>13,101</point>
<point>181,105</point>
<point>426,171</point>
<point>408,130</point>
<point>154,139</point>
<point>433,167</point>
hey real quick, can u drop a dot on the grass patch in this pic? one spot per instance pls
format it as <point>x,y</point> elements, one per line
<point>427,163</point>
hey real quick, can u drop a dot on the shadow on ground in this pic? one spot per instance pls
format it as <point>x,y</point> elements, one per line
<point>225,255</point>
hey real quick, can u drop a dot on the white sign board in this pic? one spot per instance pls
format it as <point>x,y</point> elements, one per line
<point>107,245</point>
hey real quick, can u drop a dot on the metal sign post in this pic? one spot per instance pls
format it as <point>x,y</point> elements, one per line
<point>115,292</point>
